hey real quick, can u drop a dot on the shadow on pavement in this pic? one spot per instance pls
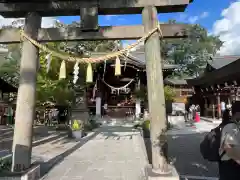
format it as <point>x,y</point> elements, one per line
<point>47,166</point>
<point>117,132</point>
<point>184,153</point>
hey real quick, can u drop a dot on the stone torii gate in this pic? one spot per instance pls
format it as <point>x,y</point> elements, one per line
<point>89,11</point>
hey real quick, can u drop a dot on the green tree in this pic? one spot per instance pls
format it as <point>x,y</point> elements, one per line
<point>49,87</point>
<point>191,53</point>
<point>169,93</point>
<point>141,93</point>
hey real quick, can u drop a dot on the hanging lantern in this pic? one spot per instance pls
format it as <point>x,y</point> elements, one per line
<point>89,76</point>
<point>117,67</point>
<point>62,73</point>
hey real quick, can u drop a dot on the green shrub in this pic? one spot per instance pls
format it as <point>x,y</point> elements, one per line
<point>146,128</point>
<point>76,126</point>
<point>91,125</point>
<point>5,165</point>
<point>146,125</point>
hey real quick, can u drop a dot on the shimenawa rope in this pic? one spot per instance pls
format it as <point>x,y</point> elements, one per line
<point>90,60</point>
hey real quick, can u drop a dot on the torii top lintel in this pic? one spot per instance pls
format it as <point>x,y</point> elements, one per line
<point>19,8</point>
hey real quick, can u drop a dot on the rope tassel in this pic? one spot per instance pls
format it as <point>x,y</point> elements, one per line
<point>117,67</point>
<point>89,76</point>
<point>62,73</point>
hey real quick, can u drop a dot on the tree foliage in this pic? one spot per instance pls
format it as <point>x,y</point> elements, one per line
<point>49,87</point>
<point>169,93</point>
<point>141,93</point>
<point>191,53</point>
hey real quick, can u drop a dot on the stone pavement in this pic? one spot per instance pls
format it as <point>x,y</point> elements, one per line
<point>113,153</point>
<point>6,138</point>
<point>183,147</point>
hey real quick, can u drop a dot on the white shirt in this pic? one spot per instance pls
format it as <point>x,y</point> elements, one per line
<point>105,106</point>
<point>231,136</point>
<point>223,105</point>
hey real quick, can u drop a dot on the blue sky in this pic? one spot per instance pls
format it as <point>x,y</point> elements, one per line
<point>204,12</point>
<point>219,17</point>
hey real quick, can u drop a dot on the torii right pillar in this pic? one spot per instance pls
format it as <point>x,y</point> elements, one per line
<point>160,167</point>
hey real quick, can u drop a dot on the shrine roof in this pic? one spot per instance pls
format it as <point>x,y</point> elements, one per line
<point>137,58</point>
<point>226,68</point>
<point>175,81</point>
<point>218,62</point>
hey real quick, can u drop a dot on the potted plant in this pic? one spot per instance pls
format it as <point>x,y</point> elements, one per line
<point>77,129</point>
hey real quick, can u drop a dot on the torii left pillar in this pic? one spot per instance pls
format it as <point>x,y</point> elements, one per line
<point>25,111</point>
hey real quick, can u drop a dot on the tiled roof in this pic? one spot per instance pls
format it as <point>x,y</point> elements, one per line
<point>174,81</point>
<point>137,58</point>
<point>218,62</point>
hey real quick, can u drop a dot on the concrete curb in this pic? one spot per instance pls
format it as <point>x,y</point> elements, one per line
<point>143,144</point>
<point>215,121</point>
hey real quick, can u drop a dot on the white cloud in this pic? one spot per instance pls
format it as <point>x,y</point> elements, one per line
<point>46,21</point>
<point>227,28</point>
<point>109,17</point>
<point>116,17</point>
<point>204,15</point>
<point>182,17</point>
<point>194,19</point>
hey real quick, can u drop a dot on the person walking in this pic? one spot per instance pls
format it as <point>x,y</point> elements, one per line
<point>223,107</point>
<point>229,151</point>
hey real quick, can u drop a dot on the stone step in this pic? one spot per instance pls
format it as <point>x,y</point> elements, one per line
<point>7,145</point>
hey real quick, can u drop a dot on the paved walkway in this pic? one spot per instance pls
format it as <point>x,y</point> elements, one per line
<point>113,153</point>
<point>183,146</point>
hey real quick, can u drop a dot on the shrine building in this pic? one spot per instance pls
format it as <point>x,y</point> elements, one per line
<point>219,83</point>
<point>182,89</point>
<point>117,92</point>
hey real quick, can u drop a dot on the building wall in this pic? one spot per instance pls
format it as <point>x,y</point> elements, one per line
<point>182,93</point>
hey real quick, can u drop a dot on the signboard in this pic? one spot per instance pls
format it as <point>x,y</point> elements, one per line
<point>178,107</point>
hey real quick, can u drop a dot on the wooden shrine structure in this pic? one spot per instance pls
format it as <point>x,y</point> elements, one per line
<point>118,91</point>
<point>5,103</point>
<point>182,89</point>
<point>220,82</point>
<point>89,30</point>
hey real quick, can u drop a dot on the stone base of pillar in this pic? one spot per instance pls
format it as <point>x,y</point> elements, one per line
<point>155,176</point>
<point>32,173</point>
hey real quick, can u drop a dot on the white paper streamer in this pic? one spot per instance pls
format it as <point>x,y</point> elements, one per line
<point>49,59</point>
<point>75,73</point>
<point>118,89</point>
